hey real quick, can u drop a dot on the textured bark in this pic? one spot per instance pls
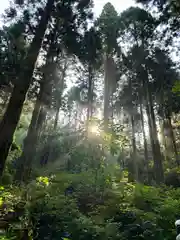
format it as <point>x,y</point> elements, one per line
<point>11,117</point>
<point>34,131</point>
<point>60,85</point>
<point>57,116</point>
<point>30,140</point>
<point>144,139</point>
<point>158,167</point>
<point>172,137</point>
<point>41,123</point>
<point>135,163</point>
<point>45,100</point>
<point>156,151</point>
<point>109,87</point>
<point>90,93</point>
<point>13,112</point>
<point>164,141</point>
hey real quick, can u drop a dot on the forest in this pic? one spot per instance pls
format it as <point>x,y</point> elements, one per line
<point>90,121</point>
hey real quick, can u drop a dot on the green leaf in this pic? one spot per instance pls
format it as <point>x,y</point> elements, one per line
<point>176,87</point>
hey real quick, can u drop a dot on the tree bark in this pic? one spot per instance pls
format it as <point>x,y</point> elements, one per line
<point>35,128</point>
<point>89,108</point>
<point>156,151</point>
<point>164,140</point>
<point>30,140</point>
<point>144,138</point>
<point>109,87</point>
<point>158,166</point>
<point>57,116</point>
<point>135,163</point>
<point>157,156</point>
<point>171,133</point>
<point>61,86</point>
<point>12,115</point>
<point>34,132</point>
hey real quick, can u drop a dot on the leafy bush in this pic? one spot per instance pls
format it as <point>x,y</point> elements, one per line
<point>57,213</point>
<point>92,206</point>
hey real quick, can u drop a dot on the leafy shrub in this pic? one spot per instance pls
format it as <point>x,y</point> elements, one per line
<point>90,206</point>
<point>56,213</point>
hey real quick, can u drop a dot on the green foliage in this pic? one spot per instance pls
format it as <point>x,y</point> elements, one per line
<point>79,191</point>
<point>70,213</point>
<point>139,23</point>
<point>108,26</point>
<point>92,205</point>
<point>139,212</point>
<point>176,88</point>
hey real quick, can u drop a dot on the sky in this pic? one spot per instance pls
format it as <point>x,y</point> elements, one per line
<point>120,5</point>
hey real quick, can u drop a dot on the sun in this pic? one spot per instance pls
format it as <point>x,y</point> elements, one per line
<point>94,129</point>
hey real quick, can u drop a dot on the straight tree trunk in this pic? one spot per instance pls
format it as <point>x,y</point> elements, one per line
<point>171,133</point>
<point>60,84</point>
<point>41,123</point>
<point>156,151</point>
<point>157,156</point>
<point>144,138</point>
<point>158,166</point>
<point>89,108</point>
<point>109,87</point>
<point>135,163</point>
<point>164,140</point>
<point>12,115</point>
<point>57,116</point>
<point>150,128</point>
<point>106,94</point>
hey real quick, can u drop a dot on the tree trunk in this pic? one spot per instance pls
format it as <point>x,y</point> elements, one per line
<point>12,115</point>
<point>156,151</point>
<point>30,143</point>
<point>164,141</point>
<point>157,156</point>
<point>30,140</point>
<point>44,99</point>
<point>106,95</point>
<point>134,156</point>
<point>57,116</point>
<point>144,139</point>
<point>90,92</point>
<point>158,166</point>
<point>109,87</point>
<point>60,85</point>
<point>171,133</point>
<point>41,123</point>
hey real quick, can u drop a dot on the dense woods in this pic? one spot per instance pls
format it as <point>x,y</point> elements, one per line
<point>89,121</point>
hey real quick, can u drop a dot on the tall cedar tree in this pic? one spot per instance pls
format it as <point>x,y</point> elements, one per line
<point>108,27</point>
